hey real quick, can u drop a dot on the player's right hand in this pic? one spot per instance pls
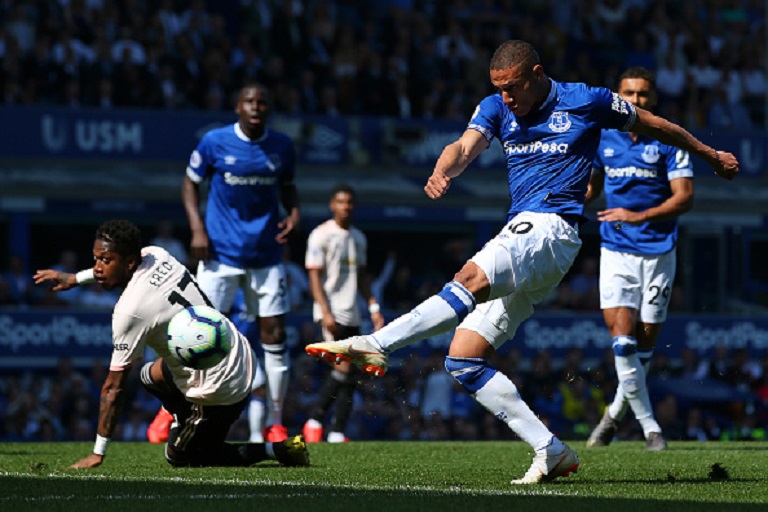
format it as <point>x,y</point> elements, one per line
<point>437,185</point>
<point>62,280</point>
<point>91,461</point>
<point>198,247</point>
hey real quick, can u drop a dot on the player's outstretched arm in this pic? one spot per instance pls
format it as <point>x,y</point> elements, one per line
<point>453,160</point>
<point>61,280</point>
<point>725,164</point>
<point>110,408</point>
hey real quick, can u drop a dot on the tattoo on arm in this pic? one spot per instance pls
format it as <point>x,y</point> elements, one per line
<point>110,406</point>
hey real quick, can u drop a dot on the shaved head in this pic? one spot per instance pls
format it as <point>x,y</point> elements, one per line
<point>513,54</point>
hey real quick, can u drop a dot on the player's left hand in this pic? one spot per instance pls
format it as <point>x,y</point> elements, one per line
<point>378,320</point>
<point>287,226</point>
<point>620,215</point>
<point>726,166</point>
<point>91,461</point>
<point>437,185</point>
<point>62,280</point>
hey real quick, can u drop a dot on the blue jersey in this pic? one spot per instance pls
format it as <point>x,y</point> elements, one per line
<point>243,207</point>
<point>551,150</point>
<point>636,177</point>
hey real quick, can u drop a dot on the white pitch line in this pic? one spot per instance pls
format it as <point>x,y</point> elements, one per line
<point>416,489</point>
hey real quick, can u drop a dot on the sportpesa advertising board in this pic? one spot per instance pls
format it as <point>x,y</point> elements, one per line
<point>40,337</point>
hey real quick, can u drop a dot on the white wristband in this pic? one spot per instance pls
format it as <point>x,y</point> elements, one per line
<point>85,276</point>
<point>100,446</point>
<point>374,308</point>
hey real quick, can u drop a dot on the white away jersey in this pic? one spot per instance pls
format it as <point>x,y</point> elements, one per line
<point>338,253</point>
<point>160,288</point>
<point>636,177</point>
<point>550,151</point>
<point>243,207</point>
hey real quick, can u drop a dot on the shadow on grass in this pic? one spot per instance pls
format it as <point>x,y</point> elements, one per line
<point>54,494</point>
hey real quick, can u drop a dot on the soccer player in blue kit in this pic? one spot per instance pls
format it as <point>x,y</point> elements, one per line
<point>549,132</point>
<point>239,245</point>
<point>647,185</point>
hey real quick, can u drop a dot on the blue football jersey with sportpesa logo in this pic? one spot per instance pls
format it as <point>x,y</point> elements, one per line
<point>636,177</point>
<point>243,207</point>
<point>550,151</point>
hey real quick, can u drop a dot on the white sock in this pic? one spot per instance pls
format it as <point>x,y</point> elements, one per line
<point>438,314</point>
<point>277,366</point>
<point>620,404</point>
<point>256,419</point>
<point>500,397</point>
<point>632,379</point>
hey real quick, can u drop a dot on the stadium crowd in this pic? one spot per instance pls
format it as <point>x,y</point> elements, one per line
<point>406,58</point>
<point>417,400</point>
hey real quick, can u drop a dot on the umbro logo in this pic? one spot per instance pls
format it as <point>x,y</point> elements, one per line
<point>230,160</point>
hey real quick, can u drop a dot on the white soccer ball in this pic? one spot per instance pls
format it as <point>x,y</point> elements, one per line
<point>199,337</point>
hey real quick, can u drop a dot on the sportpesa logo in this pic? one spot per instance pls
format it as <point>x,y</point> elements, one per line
<point>535,147</point>
<point>630,172</point>
<point>231,179</point>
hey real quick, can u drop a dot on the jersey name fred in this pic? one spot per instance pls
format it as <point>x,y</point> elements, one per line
<point>158,274</point>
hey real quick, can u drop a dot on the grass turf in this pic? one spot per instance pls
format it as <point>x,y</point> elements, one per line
<point>397,476</point>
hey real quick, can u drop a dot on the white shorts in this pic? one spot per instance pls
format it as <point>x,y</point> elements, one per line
<point>524,263</point>
<point>641,282</point>
<point>265,289</point>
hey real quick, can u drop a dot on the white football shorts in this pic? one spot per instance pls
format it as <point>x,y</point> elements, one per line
<point>637,281</point>
<point>265,289</point>
<point>524,263</point>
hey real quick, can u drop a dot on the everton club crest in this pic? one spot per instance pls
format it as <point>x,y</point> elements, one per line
<point>559,122</point>
<point>651,154</point>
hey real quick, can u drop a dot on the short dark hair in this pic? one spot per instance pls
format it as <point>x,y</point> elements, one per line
<point>514,53</point>
<point>343,188</point>
<point>639,72</point>
<point>124,236</point>
<point>255,85</point>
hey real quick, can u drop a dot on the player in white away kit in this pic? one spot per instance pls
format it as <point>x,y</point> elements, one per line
<point>549,132</point>
<point>204,403</point>
<point>647,186</point>
<point>336,261</point>
<point>239,245</point>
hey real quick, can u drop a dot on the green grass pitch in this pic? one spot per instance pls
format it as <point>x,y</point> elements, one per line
<point>396,476</point>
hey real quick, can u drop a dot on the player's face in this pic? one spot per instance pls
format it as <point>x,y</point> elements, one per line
<point>639,92</point>
<point>111,269</point>
<point>253,110</point>
<point>521,88</point>
<point>342,205</point>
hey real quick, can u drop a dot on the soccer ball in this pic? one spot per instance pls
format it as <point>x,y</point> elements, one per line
<point>198,337</point>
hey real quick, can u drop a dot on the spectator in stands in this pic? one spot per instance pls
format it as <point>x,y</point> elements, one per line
<point>725,115</point>
<point>301,35</point>
<point>167,239</point>
<point>68,262</point>
<point>20,289</point>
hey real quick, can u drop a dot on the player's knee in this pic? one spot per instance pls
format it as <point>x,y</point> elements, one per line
<point>471,372</point>
<point>176,458</point>
<point>473,278</point>
<point>273,334</point>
